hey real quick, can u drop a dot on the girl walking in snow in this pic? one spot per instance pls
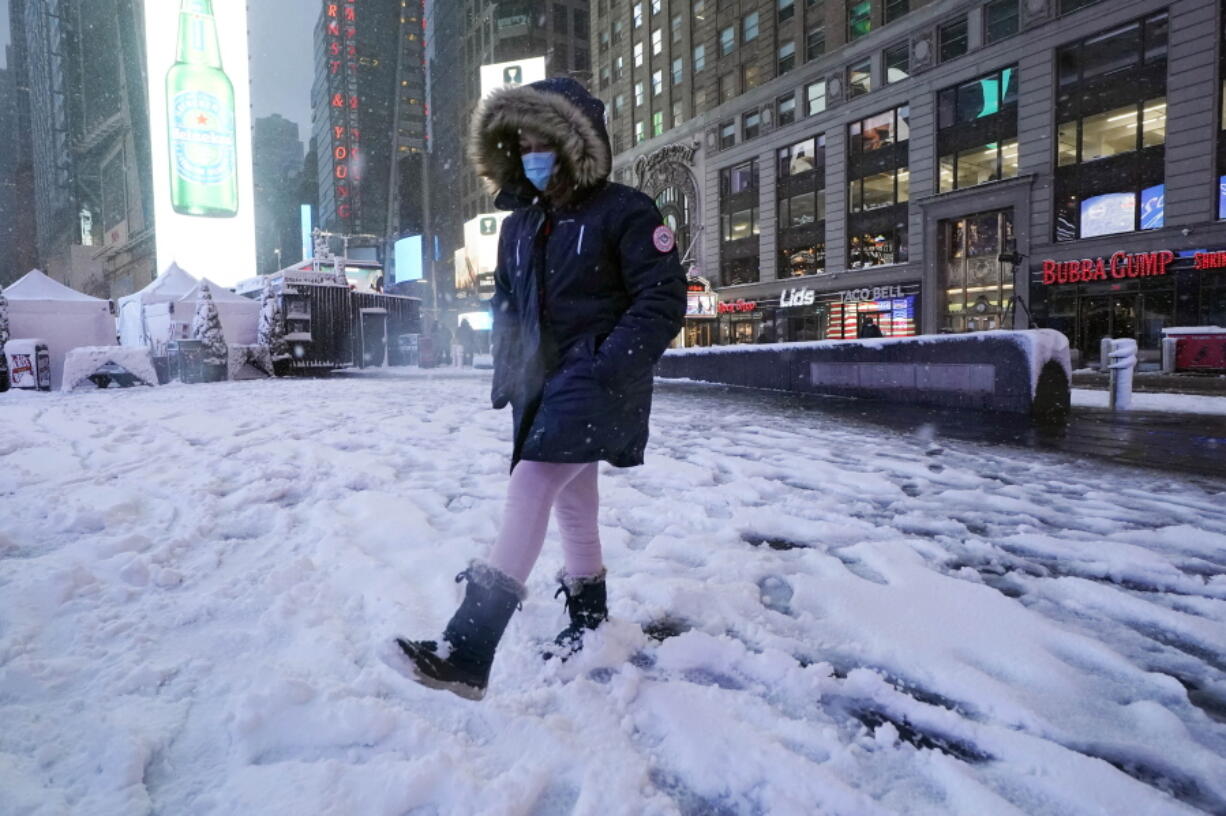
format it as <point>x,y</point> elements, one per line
<point>589,294</point>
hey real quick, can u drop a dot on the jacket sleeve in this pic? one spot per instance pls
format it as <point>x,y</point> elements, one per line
<point>655,283</point>
<point>505,337</point>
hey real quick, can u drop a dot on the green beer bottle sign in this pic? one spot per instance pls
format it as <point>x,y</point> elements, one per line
<point>200,113</point>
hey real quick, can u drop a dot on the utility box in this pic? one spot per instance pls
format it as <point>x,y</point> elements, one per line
<point>1198,348</point>
<point>29,364</point>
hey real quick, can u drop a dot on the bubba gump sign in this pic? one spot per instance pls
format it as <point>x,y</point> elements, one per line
<point>1118,266</point>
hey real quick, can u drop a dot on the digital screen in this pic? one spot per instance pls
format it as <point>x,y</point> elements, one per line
<point>308,242</point>
<point>517,72</point>
<point>408,259</point>
<point>200,127</point>
<point>1153,207</point>
<point>1108,213</point>
<point>700,304</point>
<point>480,321</point>
<point>1221,197</point>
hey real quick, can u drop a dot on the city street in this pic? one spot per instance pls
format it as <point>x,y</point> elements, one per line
<point>814,610</point>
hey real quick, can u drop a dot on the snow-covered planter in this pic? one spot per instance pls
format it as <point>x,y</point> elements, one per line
<point>1025,372</point>
<point>249,362</point>
<point>206,327</point>
<point>108,367</point>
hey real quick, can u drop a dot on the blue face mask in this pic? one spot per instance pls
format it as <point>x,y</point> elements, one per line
<point>538,167</point>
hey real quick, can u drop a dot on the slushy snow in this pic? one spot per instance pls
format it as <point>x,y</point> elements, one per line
<point>809,615</point>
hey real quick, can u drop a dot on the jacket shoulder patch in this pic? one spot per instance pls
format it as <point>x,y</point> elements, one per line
<point>663,239</point>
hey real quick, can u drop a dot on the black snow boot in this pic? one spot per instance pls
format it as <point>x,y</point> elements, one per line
<point>587,604</point>
<point>461,662</point>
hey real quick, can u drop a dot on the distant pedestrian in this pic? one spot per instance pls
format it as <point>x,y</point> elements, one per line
<point>869,329</point>
<point>467,342</point>
<point>589,293</point>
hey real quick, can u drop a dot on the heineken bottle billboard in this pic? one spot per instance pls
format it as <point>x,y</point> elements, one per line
<point>200,123</point>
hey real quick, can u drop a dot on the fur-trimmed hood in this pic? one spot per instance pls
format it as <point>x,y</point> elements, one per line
<point>561,110</point>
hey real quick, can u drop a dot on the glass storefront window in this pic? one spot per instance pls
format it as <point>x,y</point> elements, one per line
<point>904,185</point>
<point>977,165</point>
<point>798,211</point>
<point>977,286</point>
<point>742,224</point>
<point>1008,159</point>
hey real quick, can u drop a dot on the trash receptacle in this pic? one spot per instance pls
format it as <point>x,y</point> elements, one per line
<point>29,364</point>
<point>186,360</point>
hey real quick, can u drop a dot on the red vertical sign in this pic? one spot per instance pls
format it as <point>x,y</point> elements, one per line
<point>340,32</point>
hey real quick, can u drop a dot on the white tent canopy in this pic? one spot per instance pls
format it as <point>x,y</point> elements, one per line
<point>65,318</point>
<point>168,287</point>
<point>240,316</point>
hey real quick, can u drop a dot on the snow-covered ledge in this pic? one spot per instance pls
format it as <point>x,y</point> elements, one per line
<point>1024,372</point>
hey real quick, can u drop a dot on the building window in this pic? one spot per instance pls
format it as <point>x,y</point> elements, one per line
<point>787,56</point>
<point>678,113</point>
<point>655,6</point>
<point>638,55</point>
<point>619,67</point>
<point>700,57</point>
<point>640,132</point>
<point>878,189</point>
<point>976,286</point>
<point>815,42</point>
<point>787,10</point>
<point>619,28</point>
<point>751,76</point>
<point>1110,134</point>
<point>749,27</point>
<point>1114,52</point>
<point>1000,20</point>
<point>675,28</point>
<point>727,41</point>
<point>883,130</point>
<point>977,131</point>
<point>815,97</point>
<point>657,123</point>
<point>785,109</point>
<point>657,41</point>
<point>727,135</point>
<point>727,87</point>
<point>657,82</point>
<point>638,14</point>
<point>638,94</point>
<point>559,18</point>
<point>677,71</point>
<point>739,227</point>
<point>699,8</point>
<point>801,158</point>
<point>582,61</point>
<point>895,9</point>
<point>619,103</point>
<point>953,38</point>
<point>859,19</point>
<point>751,125</point>
<point>859,78</point>
<point>700,100</point>
<point>581,29</point>
<point>897,60</point>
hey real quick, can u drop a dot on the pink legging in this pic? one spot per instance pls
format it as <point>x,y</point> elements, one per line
<point>570,491</point>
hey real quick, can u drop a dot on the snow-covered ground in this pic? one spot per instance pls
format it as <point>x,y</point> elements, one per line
<point>197,585</point>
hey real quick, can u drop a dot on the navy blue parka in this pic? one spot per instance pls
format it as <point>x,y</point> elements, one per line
<point>589,289</point>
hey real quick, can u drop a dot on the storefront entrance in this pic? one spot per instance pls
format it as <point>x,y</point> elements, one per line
<point>1136,315</point>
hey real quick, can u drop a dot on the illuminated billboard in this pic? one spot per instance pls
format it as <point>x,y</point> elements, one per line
<point>200,126</point>
<point>517,72</point>
<point>481,250</point>
<point>407,252</point>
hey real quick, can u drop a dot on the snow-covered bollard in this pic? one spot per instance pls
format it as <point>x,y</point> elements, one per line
<point>1123,361</point>
<point>1169,346</point>
<point>1104,354</point>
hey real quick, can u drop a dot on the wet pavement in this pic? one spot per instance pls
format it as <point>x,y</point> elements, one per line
<point>1189,443</point>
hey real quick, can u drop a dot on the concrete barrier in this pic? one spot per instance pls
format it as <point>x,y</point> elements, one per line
<point>1019,372</point>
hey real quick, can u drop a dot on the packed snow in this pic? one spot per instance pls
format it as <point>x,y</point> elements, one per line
<point>1143,401</point>
<point>810,615</point>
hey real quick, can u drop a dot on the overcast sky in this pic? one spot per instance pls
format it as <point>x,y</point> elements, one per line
<point>281,57</point>
<point>282,49</point>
